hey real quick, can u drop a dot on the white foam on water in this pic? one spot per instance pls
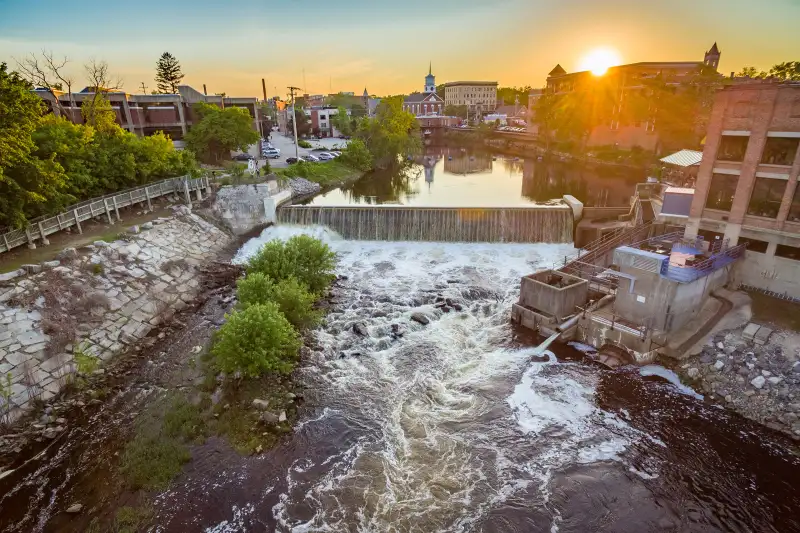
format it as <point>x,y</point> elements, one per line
<point>672,377</point>
<point>447,405</point>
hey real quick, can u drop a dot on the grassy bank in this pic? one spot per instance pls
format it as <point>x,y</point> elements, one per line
<point>329,174</point>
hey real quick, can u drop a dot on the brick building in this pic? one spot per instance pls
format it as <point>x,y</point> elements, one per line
<point>746,187</point>
<point>426,102</point>
<point>145,114</point>
<point>478,96</point>
<point>616,87</point>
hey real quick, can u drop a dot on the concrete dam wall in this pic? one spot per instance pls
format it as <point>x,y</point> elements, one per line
<point>551,224</point>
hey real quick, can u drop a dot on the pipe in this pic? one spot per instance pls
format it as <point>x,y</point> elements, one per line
<point>602,302</point>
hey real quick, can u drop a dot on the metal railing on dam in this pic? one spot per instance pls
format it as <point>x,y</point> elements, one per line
<point>551,224</point>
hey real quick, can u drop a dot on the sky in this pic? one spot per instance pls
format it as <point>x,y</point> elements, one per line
<point>346,45</point>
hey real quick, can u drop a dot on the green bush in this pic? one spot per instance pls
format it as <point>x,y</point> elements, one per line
<point>304,258</point>
<point>256,340</point>
<point>293,298</point>
<point>357,155</point>
<point>303,144</point>
<point>150,462</point>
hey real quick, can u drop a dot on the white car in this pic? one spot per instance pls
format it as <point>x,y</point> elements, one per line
<point>325,156</point>
<point>310,158</point>
<point>335,153</point>
<point>274,153</point>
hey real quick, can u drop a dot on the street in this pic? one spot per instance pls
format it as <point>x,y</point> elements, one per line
<point>287,148</point>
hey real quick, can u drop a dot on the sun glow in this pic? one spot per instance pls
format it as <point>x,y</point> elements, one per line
<point>599,60</point>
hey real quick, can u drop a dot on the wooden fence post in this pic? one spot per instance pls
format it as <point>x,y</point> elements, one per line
<point>186,194</point>
<point>116,209</point>
<point>77,220</point>
<point>149,204</point>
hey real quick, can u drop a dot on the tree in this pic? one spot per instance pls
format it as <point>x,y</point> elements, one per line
<point>255,341</point>
<point>168,74</point>
<point>97,111</point>
<point>303,258</point>
<point>751,72</point>
<point>789,70</point>
<point>48,73</point>
<point>456,111</point>
<point>293,298</point>
<point>509,95</point>
<point>545,114</point>
<point>303,124</point>
<point>218,131</point>
<point>391,133</point>
<point>357,155</point>
<point>342,122</point>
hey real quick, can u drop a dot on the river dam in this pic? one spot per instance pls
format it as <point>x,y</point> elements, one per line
<point>527,224</point>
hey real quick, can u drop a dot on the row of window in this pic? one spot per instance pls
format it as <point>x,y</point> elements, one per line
<point>777,150</point>
<point>756,245</point>
<point>765,201</point>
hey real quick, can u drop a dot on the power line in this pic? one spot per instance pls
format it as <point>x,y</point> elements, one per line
<point>144,88</point>
<point>294,120</point>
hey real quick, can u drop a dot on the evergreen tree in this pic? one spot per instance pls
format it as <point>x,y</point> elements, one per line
<point>168,74</point>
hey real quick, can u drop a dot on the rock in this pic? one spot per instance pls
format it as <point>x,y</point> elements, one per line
<point>420,318</point>
<point>775,380</point>
<point>291,396</point>
<point>721,346</point>
<point>758,381</point>
<point>8,276</point>
<point>52,432</point>
<point>259,448</point>
<point>269,418</point>
<point>719,365</point>
<point>197,349</point>
<point>706,358</point>
<point>32,269</point>
<point>147,225</point>
<point>261,404</point>
<point>282,417</point>
<point>100,244</point>
<point>693,373</point>
<point>74,508</point>
<point>360,329</point>
<point>766,373</point>
<point>540,358</point>
<point>50,264</point>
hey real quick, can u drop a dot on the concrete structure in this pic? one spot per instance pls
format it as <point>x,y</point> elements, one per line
<point>321,123</point>
<point>426,102</point>
<point>613,93</point>
<point>145,114</point>
<point>746,188</point>
<point>478,96</point>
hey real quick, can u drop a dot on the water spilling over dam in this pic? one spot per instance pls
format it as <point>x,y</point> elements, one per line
<point>546,223</point>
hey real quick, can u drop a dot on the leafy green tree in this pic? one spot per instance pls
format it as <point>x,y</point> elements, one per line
<point>218,131</point>
<point>255,341</point>
<point>357,155</point>
<point>293,298</point>
<point>20,112</point>
<point>342,121</point>
<point>98,113</point>
<point>509,95</point>
<point>168,74</point>
<point>304,258</point>
<point>303,124</point>
<point>70,145</point>
<point>357,111</point>
<point>392,133</point>
<point>788,70</point>
<point>456,111</point>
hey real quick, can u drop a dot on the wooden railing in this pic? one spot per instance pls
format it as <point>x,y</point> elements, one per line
<point>40,228</point>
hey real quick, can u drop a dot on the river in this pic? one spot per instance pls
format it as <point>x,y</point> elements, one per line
<point>455,177</point>
<point>450,427</point>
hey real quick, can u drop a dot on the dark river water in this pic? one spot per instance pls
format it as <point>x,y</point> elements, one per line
<point>452,177</point>
<point>450,427</point>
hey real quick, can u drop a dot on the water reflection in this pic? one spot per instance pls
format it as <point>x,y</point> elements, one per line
<point>448,176</point>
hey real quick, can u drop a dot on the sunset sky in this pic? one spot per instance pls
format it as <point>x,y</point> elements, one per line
<point>346,45</point>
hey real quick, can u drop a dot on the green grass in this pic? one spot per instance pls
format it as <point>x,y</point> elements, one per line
<point>132,519</point>
<point>329,173</point>
<point>151,462</point>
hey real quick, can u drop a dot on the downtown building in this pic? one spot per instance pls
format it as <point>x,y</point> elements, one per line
<point>146,114</point>
<point>479,96</point>
<point>612,96</point>
<point>426,102</point>
<point>746,190</point>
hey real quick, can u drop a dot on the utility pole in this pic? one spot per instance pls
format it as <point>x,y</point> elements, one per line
<point>294,122</point>
<point>144,88</point>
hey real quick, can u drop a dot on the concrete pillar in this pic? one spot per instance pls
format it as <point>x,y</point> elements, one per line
<point>31,244</point>
<point>772,246</point>
<point>199,193</point>
<point>181,116</point>
<point>5,241</point>
<point>41,232</point>
<point>108,211</point>
<point>791,188</point>
<point>186,195</point>
<point>126,109</point>
<point>149,203</point>
<point>257,119</point>
<point>116,209</point>
<point>77,221</point>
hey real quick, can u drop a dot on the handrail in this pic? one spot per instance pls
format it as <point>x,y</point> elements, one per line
<point>73,215</point>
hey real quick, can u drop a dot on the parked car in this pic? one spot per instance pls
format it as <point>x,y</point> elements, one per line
<point>243,157</point>
<point>325,156</point>
<point>291,160</point>
<point>335,153</point>
<point>267,146</point>
<point>271,154</point>
<point>310,158</point>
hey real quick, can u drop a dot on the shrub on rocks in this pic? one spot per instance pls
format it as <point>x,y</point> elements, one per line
<point>256,340</point>
<point>308,260</point>
<point>292,297</point>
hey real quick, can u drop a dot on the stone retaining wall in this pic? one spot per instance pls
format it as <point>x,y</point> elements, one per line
<point>118,290</point>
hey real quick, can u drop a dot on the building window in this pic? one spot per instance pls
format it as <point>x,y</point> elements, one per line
<point>754,245</point>
<point>789,252</point>
<point>794,210</point>
<point>721,191</point>
<point>779,151</point>
<point>766,198</point>
<point>732,148</point>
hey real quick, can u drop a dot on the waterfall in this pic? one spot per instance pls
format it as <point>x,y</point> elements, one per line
<point>552,224</point>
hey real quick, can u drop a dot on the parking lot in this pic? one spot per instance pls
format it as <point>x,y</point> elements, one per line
<point>287,148</point>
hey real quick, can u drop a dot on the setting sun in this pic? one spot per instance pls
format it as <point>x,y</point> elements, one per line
<point>599,60</point>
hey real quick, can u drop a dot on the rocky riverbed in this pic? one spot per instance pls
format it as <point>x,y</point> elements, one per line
<point>761,382</point>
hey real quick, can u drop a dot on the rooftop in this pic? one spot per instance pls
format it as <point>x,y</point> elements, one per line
<point>456,83</point>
